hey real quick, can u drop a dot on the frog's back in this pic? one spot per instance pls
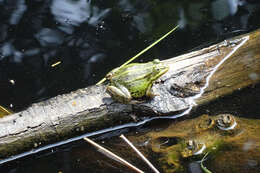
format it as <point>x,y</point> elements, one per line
<point>138,88</point>
<point>135,77</point>
<point>133,72</point>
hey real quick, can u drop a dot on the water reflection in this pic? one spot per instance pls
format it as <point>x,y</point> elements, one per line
<point>92,37</point>
<point>73,13</point>
<point>34,35</point>
<point>229,7</point>
<point>49,37</point>
<point>19,9</point>
<point>141,19</point>
<point>8,50</point>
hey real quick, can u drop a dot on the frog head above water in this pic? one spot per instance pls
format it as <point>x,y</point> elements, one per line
<point>134,80</point>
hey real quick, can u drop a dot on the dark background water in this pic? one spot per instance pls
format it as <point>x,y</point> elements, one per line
<point>90,38</point>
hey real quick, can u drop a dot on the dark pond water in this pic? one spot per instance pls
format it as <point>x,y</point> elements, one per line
<point>89,38</point>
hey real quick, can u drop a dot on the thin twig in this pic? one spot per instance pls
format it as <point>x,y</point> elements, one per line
<point>114,155</point>
<point>139,153</point>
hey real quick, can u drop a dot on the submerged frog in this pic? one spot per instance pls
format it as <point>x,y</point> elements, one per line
<point>134,80</point>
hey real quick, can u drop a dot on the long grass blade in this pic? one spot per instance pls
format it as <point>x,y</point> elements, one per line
<point>104,150</point>
<point>139,154</point>
<point>143,51</point>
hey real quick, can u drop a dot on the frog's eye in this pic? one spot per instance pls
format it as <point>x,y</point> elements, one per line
<point>156,61</point>
<point>158,69</point>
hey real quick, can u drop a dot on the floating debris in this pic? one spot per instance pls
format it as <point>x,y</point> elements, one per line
<point>226,122</point>
<point>193,148</point>
<point>55,64</point>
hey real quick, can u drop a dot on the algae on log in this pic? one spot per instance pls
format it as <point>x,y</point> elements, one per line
<point>91,108</point>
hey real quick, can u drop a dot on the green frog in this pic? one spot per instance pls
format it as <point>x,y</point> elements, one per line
<point>134,80</point>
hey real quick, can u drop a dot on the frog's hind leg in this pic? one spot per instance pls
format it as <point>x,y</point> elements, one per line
<point>119,93</point>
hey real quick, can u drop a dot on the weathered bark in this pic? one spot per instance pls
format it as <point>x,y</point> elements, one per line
<point>220,69</point>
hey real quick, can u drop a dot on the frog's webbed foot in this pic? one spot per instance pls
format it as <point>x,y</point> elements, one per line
<point>137,102</point>
<point>151,94</point>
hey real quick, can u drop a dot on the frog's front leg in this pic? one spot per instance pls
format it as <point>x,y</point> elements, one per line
<point>119,93</point>
<point>149,92</point>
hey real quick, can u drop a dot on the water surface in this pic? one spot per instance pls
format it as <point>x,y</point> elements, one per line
<point>56,46</point>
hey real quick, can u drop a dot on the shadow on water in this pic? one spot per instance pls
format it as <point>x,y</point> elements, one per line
<point>85,37</point>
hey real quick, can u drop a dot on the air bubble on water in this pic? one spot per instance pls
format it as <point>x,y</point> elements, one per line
<point>12,81</point>
<point>248,145</point>
<point>101,26</point>
<point>253,76</point>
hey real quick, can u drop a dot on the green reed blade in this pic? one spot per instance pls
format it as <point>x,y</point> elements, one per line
<point>143,51</point>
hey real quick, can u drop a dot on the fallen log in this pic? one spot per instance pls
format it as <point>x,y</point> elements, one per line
<point>194,78</point>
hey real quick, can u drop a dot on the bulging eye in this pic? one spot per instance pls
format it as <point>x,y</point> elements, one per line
<point>157,61</point>
<point>109,75</point>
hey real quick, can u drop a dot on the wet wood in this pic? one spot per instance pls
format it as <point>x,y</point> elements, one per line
<point>217,70</point>
<point>241,70</point>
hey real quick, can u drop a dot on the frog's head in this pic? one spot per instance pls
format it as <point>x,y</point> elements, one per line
<point>159,69</point>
